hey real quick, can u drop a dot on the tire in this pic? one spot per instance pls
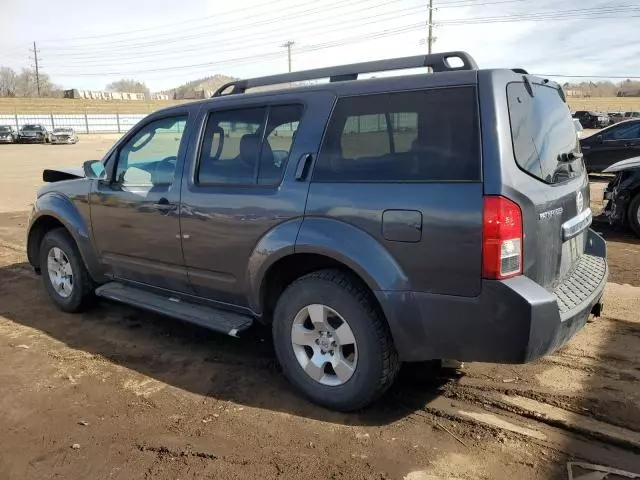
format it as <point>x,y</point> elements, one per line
<point>376,362</point>
<point>634,214</point>
<point>80,295</point>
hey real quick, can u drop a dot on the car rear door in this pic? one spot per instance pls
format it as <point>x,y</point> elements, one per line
<point>242,184</point>
<point>547,180</point>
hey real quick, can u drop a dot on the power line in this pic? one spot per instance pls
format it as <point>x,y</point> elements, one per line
<point>241,43</point>
<point>266,56</point>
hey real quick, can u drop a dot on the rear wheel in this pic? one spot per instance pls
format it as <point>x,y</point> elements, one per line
<point>332,343</point>
<point>64,274</point>
<point>634,214</point>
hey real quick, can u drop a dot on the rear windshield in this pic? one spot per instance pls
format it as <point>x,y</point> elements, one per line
<point>32,127</point>
<point>543,133</point>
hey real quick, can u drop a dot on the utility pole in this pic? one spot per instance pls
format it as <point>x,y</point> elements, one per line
<point>288,46</point>
<point>430,37</point>
<point>35,59</point>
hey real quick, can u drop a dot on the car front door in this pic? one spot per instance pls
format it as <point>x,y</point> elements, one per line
<point>614,144</point>
<point>243,183</point>
<point>135,212</point>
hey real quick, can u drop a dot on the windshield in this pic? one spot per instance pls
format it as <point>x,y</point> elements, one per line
<point>543,133</point>
<point>35,128</point>
<point>4,128</point>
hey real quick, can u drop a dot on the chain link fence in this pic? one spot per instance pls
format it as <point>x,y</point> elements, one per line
<point>81,122</point>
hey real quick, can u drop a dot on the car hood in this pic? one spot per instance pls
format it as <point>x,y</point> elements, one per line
<point>59,174</point>
<point>627,164</point>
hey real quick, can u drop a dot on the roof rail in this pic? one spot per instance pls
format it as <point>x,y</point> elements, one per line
<point>439,62</point>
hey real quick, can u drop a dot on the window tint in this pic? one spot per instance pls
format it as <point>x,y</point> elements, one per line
<point>429,135</point>
<point>281,131</point>
<point>623,132</point>
<point>542,131</point>
<point>150,156</point>
<point>234,151</point>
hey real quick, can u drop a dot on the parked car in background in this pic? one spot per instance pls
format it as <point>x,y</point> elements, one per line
<point>623,194</point>
<point>8,134</point>
<point>610,145</point>
<point>591,119</point>
<point>63,135</point>
<point>365,222</point>
<point>631,115</point>
<point>34,133</point>
<point>615,117</point>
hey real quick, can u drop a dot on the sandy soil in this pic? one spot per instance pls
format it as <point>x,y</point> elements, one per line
<point>124,394</point>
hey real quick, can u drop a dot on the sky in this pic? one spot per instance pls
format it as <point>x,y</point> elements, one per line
<point>86,44</point>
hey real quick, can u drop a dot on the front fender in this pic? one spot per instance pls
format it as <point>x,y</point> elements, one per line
<point>354,248</point>
<point>74,217</point>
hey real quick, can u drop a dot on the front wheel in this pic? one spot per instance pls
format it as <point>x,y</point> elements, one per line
<point>332,343</point>
<point>64,274</point>
<point>634,214</point>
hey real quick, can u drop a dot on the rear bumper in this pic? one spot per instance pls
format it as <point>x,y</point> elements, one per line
<point>32,139</point>
<point>511,321</point>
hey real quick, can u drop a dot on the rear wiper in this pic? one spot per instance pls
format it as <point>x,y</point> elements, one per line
<point>570,157</point>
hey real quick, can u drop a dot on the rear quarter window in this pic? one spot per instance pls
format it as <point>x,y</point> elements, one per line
<point>418,136</point>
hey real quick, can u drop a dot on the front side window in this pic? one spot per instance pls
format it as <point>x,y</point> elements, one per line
<point>623,132</point>
<point>149,158</point>
<point>421,136</point>
<point>248,146</point>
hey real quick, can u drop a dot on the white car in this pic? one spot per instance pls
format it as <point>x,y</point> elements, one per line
<point>64,135</point>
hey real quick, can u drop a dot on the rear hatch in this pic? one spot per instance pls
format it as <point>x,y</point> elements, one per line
<point>555,190</point>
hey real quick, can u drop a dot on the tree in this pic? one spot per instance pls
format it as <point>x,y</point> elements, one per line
<point>8,79</point>
<point>27,84</point>
<point>129,86</point>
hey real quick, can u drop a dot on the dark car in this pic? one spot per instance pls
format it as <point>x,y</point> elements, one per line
<point>366,222</point>
<point>8,134</point>
<point>590,119</point>
<point>610,145</point>
<point>34,133</point>
<point>623,194</point>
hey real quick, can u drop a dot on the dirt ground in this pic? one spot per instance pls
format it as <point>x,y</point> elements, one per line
<point>123,394</point>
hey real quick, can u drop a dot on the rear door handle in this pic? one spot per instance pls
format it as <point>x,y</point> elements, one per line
<point>304,164</point>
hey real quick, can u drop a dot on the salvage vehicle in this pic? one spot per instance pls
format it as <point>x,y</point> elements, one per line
<point>64,135</point>
<point>623,194</point>
<point>610,145</point>
<point>8,134</point>
<point>590,119</point>
<point>367,222</point>
<point>34,133</point>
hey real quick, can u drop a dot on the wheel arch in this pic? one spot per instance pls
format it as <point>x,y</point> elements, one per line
<point>56,211</point>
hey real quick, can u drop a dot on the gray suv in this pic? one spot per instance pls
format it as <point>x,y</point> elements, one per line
<point>367,222</point>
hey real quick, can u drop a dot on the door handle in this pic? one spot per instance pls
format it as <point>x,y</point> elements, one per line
<point>303,166</point>
<point>164,205</point>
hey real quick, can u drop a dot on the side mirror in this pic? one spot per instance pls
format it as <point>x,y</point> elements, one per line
<point>94,169</point>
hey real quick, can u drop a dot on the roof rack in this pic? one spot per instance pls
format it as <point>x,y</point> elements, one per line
<point>439,62</point>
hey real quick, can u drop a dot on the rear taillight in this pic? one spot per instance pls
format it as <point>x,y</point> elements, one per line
<point>501,238</point>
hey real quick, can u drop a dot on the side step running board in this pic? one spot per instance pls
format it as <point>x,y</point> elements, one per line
<point>222,321</point>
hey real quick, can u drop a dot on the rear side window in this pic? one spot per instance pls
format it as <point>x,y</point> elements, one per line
<point>419,136</point>
<point>542,131</point>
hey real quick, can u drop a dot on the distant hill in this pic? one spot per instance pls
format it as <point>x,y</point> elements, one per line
<point>206,84</point>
